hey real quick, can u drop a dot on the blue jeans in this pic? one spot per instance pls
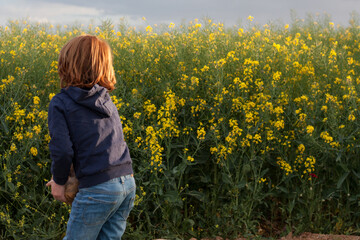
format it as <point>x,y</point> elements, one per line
<point>100,212</point>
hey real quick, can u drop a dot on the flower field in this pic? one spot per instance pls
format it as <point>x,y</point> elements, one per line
<point>246,130</point>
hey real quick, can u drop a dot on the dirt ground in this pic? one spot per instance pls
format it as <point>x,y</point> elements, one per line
<point>311,236</point>
<point>305,236</point>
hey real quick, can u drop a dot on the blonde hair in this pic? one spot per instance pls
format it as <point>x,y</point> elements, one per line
<point>85,61</point>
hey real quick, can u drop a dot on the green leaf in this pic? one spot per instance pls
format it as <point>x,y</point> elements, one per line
<point>342,179</point>
<point>145,183</point>
<point>34,167</point>
<point>173,197</point>
<point>338,158</point>
<point>246,168</point>
<point>5,127</point>
<point>198,195</point>
<point>344,167</point>
<point>179,169</point>
<point>263,172</point>
<point>284,190</point>
<point>205,179</point>
<point>11,186</point>
<point>241,184</point>
<point>226,178</point>
<point>356,174</point>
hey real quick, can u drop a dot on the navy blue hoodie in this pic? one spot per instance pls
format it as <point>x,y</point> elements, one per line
<point>85,130</point>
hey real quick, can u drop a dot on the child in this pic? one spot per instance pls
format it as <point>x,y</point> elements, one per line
<point>86,131</point>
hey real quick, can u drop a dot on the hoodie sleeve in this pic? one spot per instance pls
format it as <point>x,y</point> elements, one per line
<point>60,146</point>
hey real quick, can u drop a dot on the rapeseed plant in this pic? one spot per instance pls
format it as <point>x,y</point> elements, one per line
<point>221,123</point>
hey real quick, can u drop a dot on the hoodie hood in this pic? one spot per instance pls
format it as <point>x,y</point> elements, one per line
<point>96,98</point>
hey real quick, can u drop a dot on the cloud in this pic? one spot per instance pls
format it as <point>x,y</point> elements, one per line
<point>165,11</point>
<point>48,12</point>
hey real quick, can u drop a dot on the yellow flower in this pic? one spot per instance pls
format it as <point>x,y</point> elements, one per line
<point>18,136</point>
<point>201,133</point>
<point>277,46</point>
<point>13,147</point>
<point>149,108</point>
<point>137,115</point>
<point>213,150</point>
<point>279,124</point>
<point>284,165</point>
<point>351,117</point>
<point>262,180</point>
<point>257,138</point>
<point>302,117</point>
<point>278,110</point>
<point>30,116</point>
<point>324,108</point>
<point>326,136</point>
<point>277,75</point>
<point>220,63</point>
<point>51,95</point>
<point>29,135</point>
<point>310,129</point>
<point>37,129</point>
<point>332,54</point>
<point>149,29</point>
<point>250,18</point>
<point>301,148</point>
<point>47,138</point>
<point>43,114</point>
<point>204,69</point>
<point>33,151</point>
<point>190,159</point>
<point>194,81</point>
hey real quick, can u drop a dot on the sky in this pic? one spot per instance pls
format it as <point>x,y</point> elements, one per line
<point>133,12</point>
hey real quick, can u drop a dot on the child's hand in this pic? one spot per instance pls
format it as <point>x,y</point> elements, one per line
<point>58,191</point>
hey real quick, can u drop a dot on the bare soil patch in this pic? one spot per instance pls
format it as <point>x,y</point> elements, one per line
<point>304,236</point>
<point>311,236</point>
